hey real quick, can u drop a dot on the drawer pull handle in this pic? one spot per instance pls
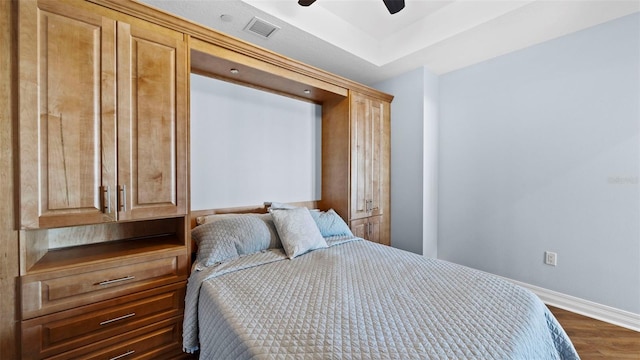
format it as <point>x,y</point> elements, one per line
<point>123,202</point>
<point>108,282</point>
<point>107,199</point>
<point>106,322</point>
<point>123,355</point>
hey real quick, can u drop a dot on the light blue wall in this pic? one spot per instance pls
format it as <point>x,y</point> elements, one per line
<point>414,112</point>
<point>540,150</point>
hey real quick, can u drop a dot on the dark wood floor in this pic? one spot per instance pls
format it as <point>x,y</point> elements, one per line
<point>596,340</point>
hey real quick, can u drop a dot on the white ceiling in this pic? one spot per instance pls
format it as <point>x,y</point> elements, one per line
<point>360,40</point>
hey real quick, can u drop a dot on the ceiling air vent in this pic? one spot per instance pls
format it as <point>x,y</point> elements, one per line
<point>261,28</point>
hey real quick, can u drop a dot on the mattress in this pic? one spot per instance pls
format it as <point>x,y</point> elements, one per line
<point>361,300</point>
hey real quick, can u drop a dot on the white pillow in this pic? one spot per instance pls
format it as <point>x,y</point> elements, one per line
<point>298,231</point>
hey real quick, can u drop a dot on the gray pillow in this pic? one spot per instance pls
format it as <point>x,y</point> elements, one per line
<point>227,237</point>
<point>214,246</point>
<point>298,231</point>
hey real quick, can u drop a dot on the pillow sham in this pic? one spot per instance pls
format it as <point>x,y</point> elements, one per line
<point>298,231</point>
<point>274,241</point>
<point>246,233</point>
<point>213,246</point>
<point>330,223</point>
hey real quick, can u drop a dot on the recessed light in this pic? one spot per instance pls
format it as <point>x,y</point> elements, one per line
<point>307,91</point>
<point>226,18</point>
<point>234,71</point>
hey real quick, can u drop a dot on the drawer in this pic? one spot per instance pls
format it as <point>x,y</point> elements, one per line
<point>56,333</point>
<point>61,290</point>
<point>162,340</point>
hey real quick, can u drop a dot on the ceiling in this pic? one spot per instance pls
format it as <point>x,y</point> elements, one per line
<point>360,40</point>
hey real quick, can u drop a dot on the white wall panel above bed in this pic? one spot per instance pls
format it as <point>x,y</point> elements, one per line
<point>249,146</point>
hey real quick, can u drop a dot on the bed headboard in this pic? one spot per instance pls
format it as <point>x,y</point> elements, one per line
<point>256,209</point>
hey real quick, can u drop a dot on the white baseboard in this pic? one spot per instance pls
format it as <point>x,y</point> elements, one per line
<point>588,308</point>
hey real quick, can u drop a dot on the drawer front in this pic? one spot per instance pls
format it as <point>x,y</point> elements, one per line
<point>57,289</point>
<point>162,340</point>
<point>52,334</point>
<point>56,292</point>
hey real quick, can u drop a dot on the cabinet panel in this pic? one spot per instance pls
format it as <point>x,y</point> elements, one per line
<point>359,157</point>
<point>158,341</point>
<point>67,330</point>
<point>376,156</point>
<point>60,290</point>
<point>370,228</point>
<point>151,117</point>
<point>356,161</point>
<point>367,156</point>
<point>359,228</point>
<point>95,149</point>
<point>68,75</point>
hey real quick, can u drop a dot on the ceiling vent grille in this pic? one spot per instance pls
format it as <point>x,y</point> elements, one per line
<point>261,28</point>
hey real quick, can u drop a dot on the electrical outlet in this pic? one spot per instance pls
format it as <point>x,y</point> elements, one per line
<point>550,258</point>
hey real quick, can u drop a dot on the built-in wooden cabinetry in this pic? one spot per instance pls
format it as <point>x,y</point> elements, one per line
<point>103,118</point>
<point>100,134</point>
<point>356,161</point>
<point>369,228</point>
<point>103,171</point>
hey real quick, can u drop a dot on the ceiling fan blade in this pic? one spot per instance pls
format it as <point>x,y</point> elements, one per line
<point>393,5</point>
<point>306,2</point>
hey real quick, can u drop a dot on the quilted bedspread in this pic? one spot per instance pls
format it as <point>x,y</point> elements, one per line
<point>360,300</point>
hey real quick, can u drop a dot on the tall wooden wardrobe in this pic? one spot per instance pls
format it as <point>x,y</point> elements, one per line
<point>356,162</point>
<point>103,171</point>
<point>96,152</point>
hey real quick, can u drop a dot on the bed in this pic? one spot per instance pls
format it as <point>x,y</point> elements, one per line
<point>256,297</point>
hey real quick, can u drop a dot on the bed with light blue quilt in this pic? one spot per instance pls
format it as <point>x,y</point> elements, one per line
<point>349,298</point>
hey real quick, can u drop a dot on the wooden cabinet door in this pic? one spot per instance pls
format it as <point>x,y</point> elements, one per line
<point>375,155</point>
<point>151,121</point>
<point>359,228</point>
<point>67,115</point>
<point>96,144</point>
<point>359,143</point>
<point>367,146</point>
<point>370,229</point>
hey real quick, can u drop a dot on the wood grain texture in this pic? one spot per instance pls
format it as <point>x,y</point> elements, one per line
<point>251,209</point>
<point>61,284</point>
<point>335,156</point>
<point>370,162</point>
<point>252,53</point>
<point>211,60</point>
<point>370,228</point>
<point>71,173</point>
<point>9,253</point>
<point>63,331</point>
<point>152,123</point>
<point>598,340</point>
<point>361,146</point>
<point>67,100</point>
<point>356,163</point>
<point>161,340</point>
